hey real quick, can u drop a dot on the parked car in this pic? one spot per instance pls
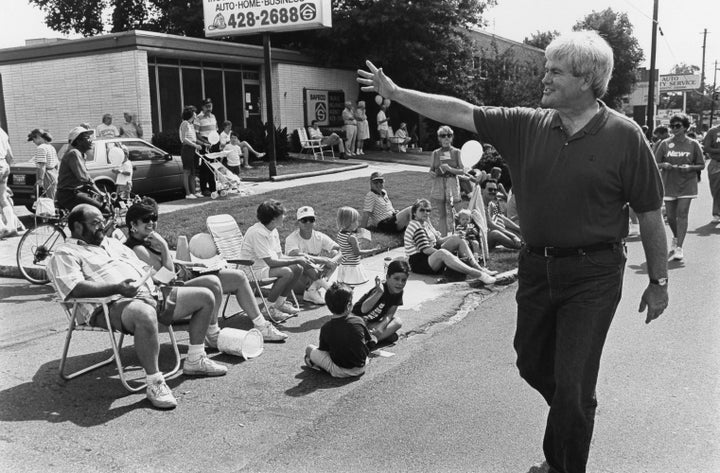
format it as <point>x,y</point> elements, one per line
<point>154,171</point>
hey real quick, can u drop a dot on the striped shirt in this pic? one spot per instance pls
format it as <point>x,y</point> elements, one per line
<point>379,207</point>
<point>187,131</point>
<point>349,257</point>
<point>45,154</point>
<point>494,213</point>
<point>418,236</point>
<point>205,124</point>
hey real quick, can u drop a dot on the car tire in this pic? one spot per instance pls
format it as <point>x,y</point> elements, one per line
<point>106,187</point>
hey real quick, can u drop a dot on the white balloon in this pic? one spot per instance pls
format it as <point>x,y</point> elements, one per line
<point>470,153</point>
<point>116,156</point>
<point>202,246</point>
<point>214,137</point>
<point>378,99</point>
<point>386,102</point>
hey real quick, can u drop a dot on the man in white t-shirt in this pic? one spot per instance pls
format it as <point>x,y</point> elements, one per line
<point>320,249</point>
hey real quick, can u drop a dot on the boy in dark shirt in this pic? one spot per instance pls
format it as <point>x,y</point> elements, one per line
<point>343,347</point>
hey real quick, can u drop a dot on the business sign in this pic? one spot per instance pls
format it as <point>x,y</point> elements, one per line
<point>325,106</point>
<point>240,17</point>
<point>670,82</point>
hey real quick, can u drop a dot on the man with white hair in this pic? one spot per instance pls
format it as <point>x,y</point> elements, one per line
<point>576,165</point>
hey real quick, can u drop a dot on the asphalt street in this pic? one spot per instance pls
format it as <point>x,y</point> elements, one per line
<point>449,400</point>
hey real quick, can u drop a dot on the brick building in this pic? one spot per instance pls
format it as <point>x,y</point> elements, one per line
<point>61,84</point>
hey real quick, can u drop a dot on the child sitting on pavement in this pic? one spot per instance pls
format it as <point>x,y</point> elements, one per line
<point>377,307</point>
<point>343,349</point>
<point>465,228</point>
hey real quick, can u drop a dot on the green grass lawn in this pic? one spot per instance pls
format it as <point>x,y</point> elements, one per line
<point>404,188</point>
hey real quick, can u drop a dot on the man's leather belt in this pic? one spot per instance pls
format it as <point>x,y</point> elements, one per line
<point>579,251</point>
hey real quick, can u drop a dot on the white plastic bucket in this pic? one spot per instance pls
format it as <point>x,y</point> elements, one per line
<point>245,343</point>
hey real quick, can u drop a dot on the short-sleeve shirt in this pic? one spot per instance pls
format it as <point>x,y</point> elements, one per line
<point>4,144</point>
<point>205,124</point>
<point>379,207</point>
<point>260,243</point>
<point>233,154</point>
<point>711,143</point>
<point>418,236</point>
<point>346,338</point>
<point>73,172</point>
<point>380,117</point>
<point>187,130</point>
<point>123,179</point>
<point>380,308</point>
<point>572,191</point>
<point>687,151</point>
<point>109,262</point>
<point>319,244</point>
<point>106,131</point>
<point>45,154</point>
<point>130,130</point>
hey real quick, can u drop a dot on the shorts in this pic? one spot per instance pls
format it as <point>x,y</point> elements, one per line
<point>388,225</point>
<point>164,307</point>
<point>673,198</point>
<point>383,133</point>
<point>187,154</point>
<point>419,264</point>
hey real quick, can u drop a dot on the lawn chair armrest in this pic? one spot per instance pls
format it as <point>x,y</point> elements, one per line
<point>241,262</point>
<point>86,300</point>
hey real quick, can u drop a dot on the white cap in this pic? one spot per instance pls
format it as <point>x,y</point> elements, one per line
<point>306,211</point>
<point>77,131</point>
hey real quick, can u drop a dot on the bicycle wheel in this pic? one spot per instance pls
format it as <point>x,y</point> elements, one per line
<point>34,250</point>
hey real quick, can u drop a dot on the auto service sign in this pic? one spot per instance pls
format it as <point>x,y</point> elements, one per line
<point>240,17</point>
<point>670,82</point>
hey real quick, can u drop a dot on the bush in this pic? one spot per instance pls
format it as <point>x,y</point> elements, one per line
<point>282,146</point>
<point>167,141</point>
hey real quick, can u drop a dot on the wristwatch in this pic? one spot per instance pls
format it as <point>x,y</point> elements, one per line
<point>659,282</point>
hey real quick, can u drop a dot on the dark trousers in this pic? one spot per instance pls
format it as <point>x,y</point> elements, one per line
<point>565,307</point>
<point>207,178</point>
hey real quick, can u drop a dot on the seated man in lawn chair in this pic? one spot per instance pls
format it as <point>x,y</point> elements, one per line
<point>89,265</point>
<point>330,140</point>
<point>400,141</point>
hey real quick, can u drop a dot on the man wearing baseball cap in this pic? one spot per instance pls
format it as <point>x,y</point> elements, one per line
<point>320,249</point>
<point>206,123</point>
<point>379,212</point>
<point>74,180</point>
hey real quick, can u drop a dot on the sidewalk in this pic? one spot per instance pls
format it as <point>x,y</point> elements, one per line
<point>379,161</point>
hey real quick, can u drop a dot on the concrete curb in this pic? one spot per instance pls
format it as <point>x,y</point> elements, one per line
<point>288,177</point>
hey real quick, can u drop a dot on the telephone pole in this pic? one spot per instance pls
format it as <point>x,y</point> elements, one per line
<point>702,80</point>
<point>650,122</point>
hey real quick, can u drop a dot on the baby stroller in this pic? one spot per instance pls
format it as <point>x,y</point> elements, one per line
<point>225,181</point>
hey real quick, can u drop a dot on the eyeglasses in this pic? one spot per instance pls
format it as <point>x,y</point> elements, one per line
<point>445,135</point>
<point>150,218</point>
<point>423,209</point>
<point>676,125</point>
<point>307,219</point>
<point>492,190</point>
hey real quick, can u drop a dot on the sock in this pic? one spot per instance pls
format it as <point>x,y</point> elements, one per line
<point>323,283</point>
<point>280,301</point>
<point>213,329</point>
<point>195,352</point>
<point>154,378</point>
<point>259,321</point>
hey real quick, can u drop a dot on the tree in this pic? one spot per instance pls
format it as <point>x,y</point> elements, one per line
<point>617,30</point>
<point>540,39</point>
<point>682,69</point>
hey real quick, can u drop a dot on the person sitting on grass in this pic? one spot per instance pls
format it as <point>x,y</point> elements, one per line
<point>262,245</point>
<point>343,350</point>
<point>378,211</point>
<point>91,265</point>
<point>150,247</point>
<point>320,249</point>
<point>377,307</point>
<point>331,140</point>
<point>501,230</point>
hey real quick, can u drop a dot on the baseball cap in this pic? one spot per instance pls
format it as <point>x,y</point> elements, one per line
<point>306,211</point>
<point>77,131</point>
<point>377,176</point>
<point>207,101</point>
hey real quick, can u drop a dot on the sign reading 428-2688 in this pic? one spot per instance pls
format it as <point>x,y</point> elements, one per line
<point>239,17</point>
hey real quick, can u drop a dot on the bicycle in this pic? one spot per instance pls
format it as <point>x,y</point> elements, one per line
<point>38,244</point>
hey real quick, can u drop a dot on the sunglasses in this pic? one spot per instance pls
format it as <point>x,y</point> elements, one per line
<point>676,125</point>
<point>150,218</point>
<point>422,209</point>
<point>307,219</point>
<point>492,190</point>
<point>445,135</point>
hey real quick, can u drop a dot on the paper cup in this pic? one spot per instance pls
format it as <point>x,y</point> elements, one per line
<point>245,343</point>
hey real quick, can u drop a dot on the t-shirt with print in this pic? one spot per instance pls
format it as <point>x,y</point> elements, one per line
<point>687,151</point>
<point>381,307</point>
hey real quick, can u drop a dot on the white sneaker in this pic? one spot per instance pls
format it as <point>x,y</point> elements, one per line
<point>203,366</point>
<point>715,219</point>
<point>288,308</point>
<point>190,196</point>
<point>678,254</point>
<point>271,334</point>
<point>274,316</point>
<point>160,396</point>
<point>314,296</point>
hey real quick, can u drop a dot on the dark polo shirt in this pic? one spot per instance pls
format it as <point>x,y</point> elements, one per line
<point>572,191</point>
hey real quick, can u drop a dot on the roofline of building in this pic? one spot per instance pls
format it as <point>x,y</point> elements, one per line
<point>156,43</point>
<point>475,29</point>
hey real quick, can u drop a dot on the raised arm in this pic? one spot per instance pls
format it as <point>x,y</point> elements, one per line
<point>441,108</point>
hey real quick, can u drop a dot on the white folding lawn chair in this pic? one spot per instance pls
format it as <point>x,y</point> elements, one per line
<point>228,240</point>
<point>315,146</point>
<point>477,209</point>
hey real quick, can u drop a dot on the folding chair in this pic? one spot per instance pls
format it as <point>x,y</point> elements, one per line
<point>71,307</point>
<point>314,145</point>
<point>228,240</point>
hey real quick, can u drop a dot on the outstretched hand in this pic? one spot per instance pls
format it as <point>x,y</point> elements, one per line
<point>375,80</point>
<point>655,299</point>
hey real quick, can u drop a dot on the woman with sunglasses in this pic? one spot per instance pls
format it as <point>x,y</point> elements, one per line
<point>150,247</point>
<point>444,171</point>
<point>679,158</point>
<point>430,253</point>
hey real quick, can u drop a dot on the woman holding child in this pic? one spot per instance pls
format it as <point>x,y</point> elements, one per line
<point>430,253</point>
